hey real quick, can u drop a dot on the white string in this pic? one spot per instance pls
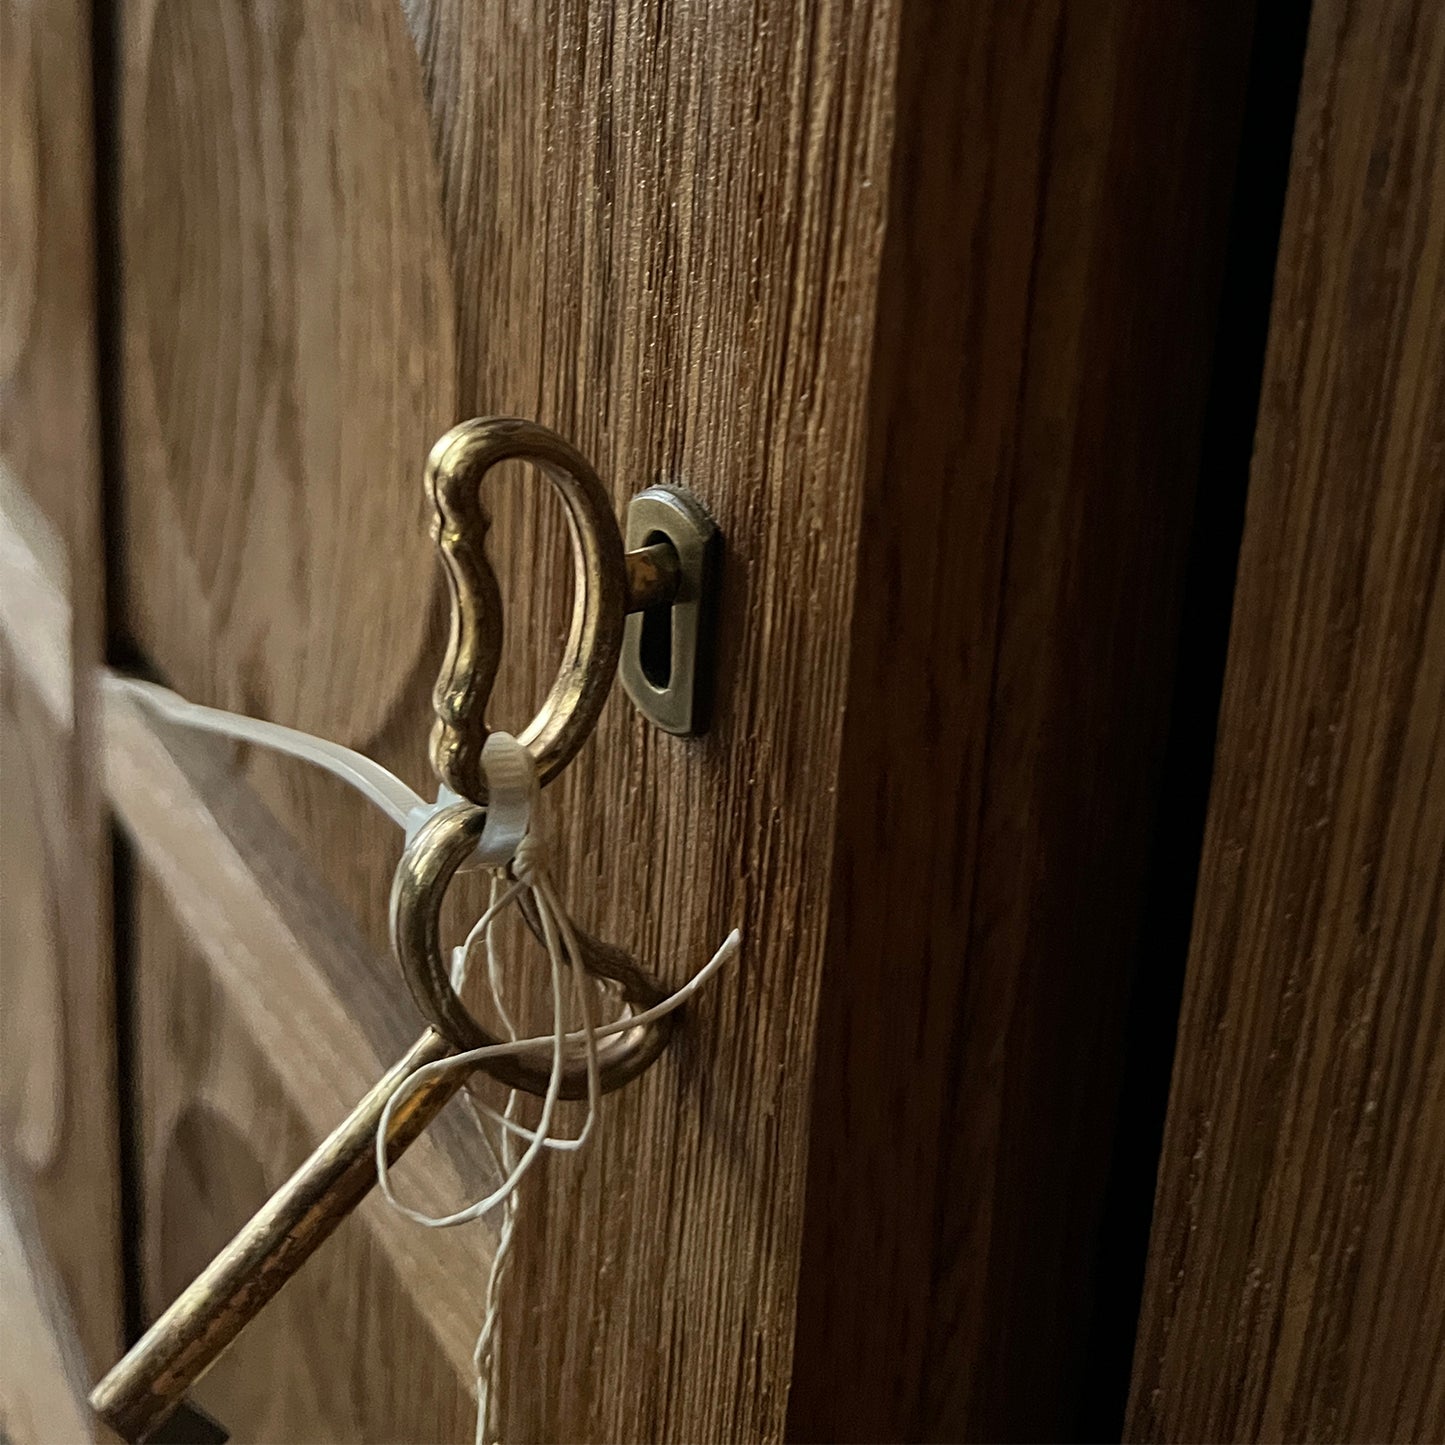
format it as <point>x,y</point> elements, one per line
<point>670,1004</point>
<point>389,793</point>
<point>485,1359</point>
<point>511,785</point>
<point>380,787</point>
<point>358,771</point>
<point>506,762</point>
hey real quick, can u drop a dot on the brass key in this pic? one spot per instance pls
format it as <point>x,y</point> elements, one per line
<point>150,1380</point>
<point>148,1384</point>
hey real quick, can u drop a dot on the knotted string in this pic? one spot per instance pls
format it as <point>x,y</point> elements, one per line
<point>514,838</point>
<point>512,789</point>
<point>563,954</point>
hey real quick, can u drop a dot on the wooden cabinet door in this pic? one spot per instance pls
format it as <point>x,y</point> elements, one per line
<point>342,228</point>
<point>922,301</point>
<point>839,269</point>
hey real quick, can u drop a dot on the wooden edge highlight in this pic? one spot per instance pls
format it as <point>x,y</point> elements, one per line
<point>256,912</point>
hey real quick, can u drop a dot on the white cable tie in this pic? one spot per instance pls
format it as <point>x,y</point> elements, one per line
<point>406,808</point>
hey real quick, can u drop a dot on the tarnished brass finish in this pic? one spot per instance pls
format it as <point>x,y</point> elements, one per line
<point>454,473</point>
<point>147,1384</point>
<point>607,585</point>
<point>432,857</point>
<point>653,576</point>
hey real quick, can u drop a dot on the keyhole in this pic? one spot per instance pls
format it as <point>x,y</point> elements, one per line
<point>654,647</point>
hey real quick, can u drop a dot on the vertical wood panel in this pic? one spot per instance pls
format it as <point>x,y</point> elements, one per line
<point>59,1081</point>
<point>665,221</point>
<point>663,226</point>
<point>1059,207</point>
<point>1298,1257</point>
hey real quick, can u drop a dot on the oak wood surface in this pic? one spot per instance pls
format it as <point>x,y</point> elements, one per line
<point>1058,210</point>
<point>662,225</point>
<point>1296,1288</point>
<point>691,198</point>
<point>263,1072</point>
<point>280,240</point>
<point>320,1361</point>
<point>58,1086</point>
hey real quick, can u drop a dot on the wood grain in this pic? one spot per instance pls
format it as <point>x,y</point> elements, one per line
<point>663,224</point>
<point>319,1362</point>
<point>44,1382</point>
<point>1296,1287</point>
<point>693,206</point>
<point>287,325</point>
<point>58,1096</point>
<point>1058,216</point>
<point>237,1083</point>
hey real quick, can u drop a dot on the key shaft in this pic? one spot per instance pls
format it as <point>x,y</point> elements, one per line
<point>149,1381</point>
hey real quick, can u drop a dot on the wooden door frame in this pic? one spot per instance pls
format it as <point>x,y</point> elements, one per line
<point>1294,1271</point>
